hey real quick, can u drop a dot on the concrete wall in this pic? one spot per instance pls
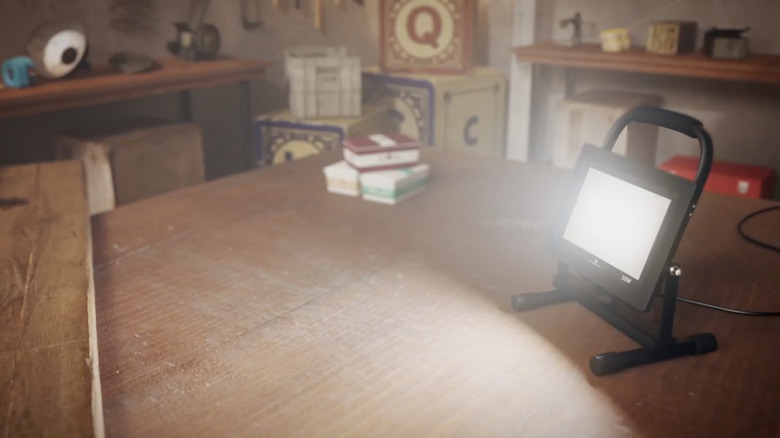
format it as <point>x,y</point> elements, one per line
<point>216,110</point>
<point>742,118</point>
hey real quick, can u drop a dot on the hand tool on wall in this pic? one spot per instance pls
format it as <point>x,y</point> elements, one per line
<point>250,14</point>
<point>576,23</point>
<point>318,14</point>
<point>194,39</point>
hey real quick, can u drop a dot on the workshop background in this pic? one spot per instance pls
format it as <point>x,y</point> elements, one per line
<point>740,116</point>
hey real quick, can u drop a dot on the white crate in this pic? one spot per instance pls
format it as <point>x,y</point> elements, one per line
<point>324,82</point>
<point>588,117</point>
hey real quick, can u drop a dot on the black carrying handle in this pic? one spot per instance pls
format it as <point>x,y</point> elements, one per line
<point>676,122</point>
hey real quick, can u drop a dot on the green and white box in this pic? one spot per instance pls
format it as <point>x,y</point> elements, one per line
<point>393,186</point>
<point>342,178</point>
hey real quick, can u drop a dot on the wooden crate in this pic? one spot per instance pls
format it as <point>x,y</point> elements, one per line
<point>464,113</point>
<point>587,117</point>
<point>135,160</point>
<point>282,137</point>
<point>671,37</point>
<point>323,82</point>
<point>431,36</point>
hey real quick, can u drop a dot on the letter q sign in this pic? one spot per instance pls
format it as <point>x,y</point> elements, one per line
<point>428,36</point>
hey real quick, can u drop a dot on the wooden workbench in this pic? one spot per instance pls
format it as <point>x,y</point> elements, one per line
<point>49,367</point>
<point>759,68</point>
<point>104,85</point>
<point>260,305</point>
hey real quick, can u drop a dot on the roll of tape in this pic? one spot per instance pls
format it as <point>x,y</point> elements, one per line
<point>56,50</point>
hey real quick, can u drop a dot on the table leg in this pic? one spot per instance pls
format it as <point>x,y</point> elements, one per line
<point>571,81</point>
<point>245,116</point>
<point>185,105</point>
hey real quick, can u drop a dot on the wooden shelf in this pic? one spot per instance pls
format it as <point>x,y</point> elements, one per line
<point>756,68</point>
<point>102,86</point>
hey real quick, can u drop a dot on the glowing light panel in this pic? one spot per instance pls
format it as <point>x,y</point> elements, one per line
<point>615,221</point>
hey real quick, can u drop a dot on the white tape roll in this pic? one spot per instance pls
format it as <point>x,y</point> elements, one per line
<point>57,50</point>
<point>63,52</point>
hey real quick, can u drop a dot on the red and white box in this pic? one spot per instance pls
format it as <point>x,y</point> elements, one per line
<point>381,152</point>
<point>725,177</point>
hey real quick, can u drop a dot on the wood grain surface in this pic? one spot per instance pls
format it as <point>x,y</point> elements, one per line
<point>756,68</point>
<point>102,85</point>
<point>260,305</point>
<point>49,378</point>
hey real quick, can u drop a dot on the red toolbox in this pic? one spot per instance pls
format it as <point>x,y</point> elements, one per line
<point>725,177</point>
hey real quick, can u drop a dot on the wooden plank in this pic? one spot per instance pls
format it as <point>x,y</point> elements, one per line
<point>97,170</point>
<point>105,86</point>
<point>49,374</point>
<point>756,68</point>
<point>272,308</point>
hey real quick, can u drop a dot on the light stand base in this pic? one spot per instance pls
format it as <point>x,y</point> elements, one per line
<point>654,348</point>
<point>609,363</point>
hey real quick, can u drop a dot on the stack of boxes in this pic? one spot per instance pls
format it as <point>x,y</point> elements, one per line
<point>380,168</point>
<point>325,96</point>
<point>424,92</point>
<point>464,113</point>
<point>426,70</point>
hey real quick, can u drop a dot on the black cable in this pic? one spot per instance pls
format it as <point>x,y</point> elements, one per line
<point>726,309</point>
<point>751,239</point>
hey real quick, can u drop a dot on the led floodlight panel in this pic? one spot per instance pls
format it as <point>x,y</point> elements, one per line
<point>621,223</point>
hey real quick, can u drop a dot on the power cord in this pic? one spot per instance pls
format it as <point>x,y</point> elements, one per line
<point>751,240</point>
<point>754,240</point>
<point>726,309</point>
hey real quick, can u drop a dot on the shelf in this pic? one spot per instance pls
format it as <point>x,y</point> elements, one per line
<point>104,85</point>
<point>756,68</point>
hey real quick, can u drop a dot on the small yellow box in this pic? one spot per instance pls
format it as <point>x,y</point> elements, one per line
<point>615,40</point>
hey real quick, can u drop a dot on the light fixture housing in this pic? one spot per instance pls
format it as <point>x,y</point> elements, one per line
<point>621,223</point>
<point>615,239</point>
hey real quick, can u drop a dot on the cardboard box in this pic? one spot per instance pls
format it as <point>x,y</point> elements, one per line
<point>587,118</point>
<point>426,36</point>
<point>465,114</point>
<point>725,177</point>
<point>393,186</point>
<point>343,179</point>
<point>381,152</point>
<point>282,137</point>
<point>135,159</point>
<point>671,37</point>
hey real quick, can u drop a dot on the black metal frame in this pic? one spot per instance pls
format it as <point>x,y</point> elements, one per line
<point>570,287</point>
<point>638,291</point>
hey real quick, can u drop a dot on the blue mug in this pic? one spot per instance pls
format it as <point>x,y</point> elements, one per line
<point>16,72</point>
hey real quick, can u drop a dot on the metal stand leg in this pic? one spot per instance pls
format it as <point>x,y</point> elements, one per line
<point>655,348</point>
<point>609,363</point>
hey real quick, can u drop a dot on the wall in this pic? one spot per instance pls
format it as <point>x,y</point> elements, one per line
<point>741,117</point>
<point>216,109</point>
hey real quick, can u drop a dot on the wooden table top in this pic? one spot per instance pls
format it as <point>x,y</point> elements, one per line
<point>260,305</point>
<point>103,85</point>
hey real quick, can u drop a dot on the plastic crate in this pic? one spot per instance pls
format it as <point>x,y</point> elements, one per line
<point>324,82</point>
